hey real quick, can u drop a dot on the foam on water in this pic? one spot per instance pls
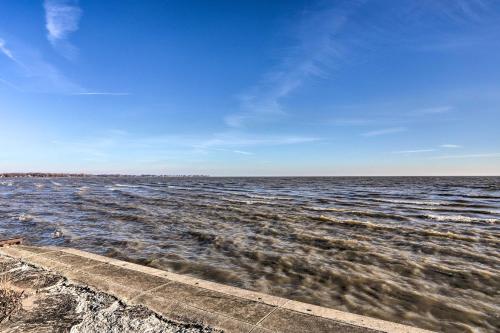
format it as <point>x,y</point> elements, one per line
<point>127,185</point>
<point>25,217</point>
<point>462,219</point>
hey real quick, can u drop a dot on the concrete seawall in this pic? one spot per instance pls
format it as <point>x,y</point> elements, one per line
<point>186,299</point>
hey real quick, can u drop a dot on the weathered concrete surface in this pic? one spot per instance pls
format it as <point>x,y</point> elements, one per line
<point>186,299</point>
<point>34,300</point>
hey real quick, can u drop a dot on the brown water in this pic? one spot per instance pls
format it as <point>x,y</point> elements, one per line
<point>420,251</point>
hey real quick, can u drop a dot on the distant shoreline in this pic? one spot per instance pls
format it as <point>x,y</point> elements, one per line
<point>80,175</point>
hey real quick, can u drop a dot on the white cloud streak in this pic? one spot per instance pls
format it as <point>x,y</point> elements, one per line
<point>416,151</point>
<point>484,155</point>
<point>101,94</point>
<point>238,140</point>
<point>434,110</point>
<point>62,18</point>
<point>6,51</point>
<point>9,54</point>
<point>242,152</point>
<point>384,131</point>
<point>450,146</point>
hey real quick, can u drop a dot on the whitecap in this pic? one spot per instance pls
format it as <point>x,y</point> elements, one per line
<point>328,209</point>
<point>25,217</point>
<point>412,202</point>
<point>126,185</point>
<point>179,187</point>
<point>461,218</point>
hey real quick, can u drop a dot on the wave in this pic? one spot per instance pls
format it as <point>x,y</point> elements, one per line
<point>25,217</point>
<point>411,202</point>
<point>127,185</point>
<point>430,204</point>
<point>256,196</point>
<point>462,210</point>
<point>365,224</point>
<point>124,187</point>
<point>327,209</point>
<point>479,196</point>
<point>461,218</point>
<point>175,187</point>
<point>400,230</point>
<point>248,202</point>
<point>361,213</point>
<point>466,204</point>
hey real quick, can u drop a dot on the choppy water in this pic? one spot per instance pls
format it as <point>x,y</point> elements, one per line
<point>422,251</point>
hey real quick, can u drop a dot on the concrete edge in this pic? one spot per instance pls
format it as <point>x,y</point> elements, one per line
<point>279,302</point>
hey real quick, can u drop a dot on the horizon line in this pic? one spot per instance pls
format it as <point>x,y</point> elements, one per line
<point>80,174</point>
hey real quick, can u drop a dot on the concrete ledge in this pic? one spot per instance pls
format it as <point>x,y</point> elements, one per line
<point>187,299</point>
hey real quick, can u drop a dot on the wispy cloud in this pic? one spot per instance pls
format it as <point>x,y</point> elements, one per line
<point>384,131</point>
<point>313,56</point>
<point>10,84</point>
<point>242,152</point>
<point>9,53</point>
<point>102,93</point>
<point>44,77</point>
<point>6,51</point>
<point>62,18</point>
<point>352,122</point>
<point>450,146</point>
<point>34,73</point>
<point>433,110</point>
<point>459,11</point>
<point>482,155</point>
<point>476,14</point>
<point>113,141</point>
<point>416,151</point>
<point>452,42</point>
<point>240,140</point>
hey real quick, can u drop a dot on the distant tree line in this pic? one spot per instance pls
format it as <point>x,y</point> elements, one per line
<point>52,175</point>
<point>40,174</point>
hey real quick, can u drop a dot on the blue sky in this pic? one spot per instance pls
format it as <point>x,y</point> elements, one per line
<point>251,87</point>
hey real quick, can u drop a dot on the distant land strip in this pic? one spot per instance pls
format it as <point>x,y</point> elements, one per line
<point>54,175</point>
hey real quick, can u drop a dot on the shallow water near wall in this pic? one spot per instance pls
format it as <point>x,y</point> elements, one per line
<point>421,251</point>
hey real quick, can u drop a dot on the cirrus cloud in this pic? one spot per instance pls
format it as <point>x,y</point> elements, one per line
<point>384,131</point>
<point>62,18</point>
